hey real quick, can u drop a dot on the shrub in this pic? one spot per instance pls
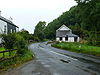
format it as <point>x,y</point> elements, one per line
<point>20,44</point>
<point>8,40</point>
<point>15,40</point>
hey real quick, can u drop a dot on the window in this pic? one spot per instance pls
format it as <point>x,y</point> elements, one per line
<point>60,38</point>
<point>11,31</point>
<point>14,30</point>
<point>66,38</point>
<point>4,29</point>
<point>75,39</point>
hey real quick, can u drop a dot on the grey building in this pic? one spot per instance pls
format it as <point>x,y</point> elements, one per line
<point>7,26</point>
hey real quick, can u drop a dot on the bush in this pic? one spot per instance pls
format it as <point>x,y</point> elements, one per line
<point>8,40</point>
<point>20,44</point>
<point>15,40</point>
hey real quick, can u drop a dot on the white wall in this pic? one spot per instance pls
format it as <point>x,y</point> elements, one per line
<point>78,39</point>
<point>70,39</point>
<point>2,25</point>
<point>17,29</point>
<point>63,39</point>
<point>57,39</point>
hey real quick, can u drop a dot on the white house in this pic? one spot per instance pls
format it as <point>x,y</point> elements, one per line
<point>7,26</point>
<point>65,34</point>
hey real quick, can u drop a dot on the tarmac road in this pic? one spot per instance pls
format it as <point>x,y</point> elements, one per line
<point>53,61</point>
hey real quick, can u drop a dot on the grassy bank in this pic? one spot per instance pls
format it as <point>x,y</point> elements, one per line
<point>17,41</point>
<point>20,59</point>
<point>12,53</point>
<point>78,47</point>
<point>2,49</point>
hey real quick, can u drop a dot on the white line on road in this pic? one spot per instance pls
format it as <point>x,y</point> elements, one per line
<point>63,55</point>
<point>46,65</point>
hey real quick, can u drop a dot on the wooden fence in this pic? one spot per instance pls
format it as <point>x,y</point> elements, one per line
<point>8,54</point>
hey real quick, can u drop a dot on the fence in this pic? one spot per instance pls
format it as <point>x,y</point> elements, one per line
<point>8,54</point>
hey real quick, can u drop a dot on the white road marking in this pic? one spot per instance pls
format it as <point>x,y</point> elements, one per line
<point>42,63</point>
<point>56,74</point>
<point>63,55</point>
<point>46,65</point>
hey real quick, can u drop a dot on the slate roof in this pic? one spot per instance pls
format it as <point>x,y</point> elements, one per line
<point>8,21</point>
<point>72,35</point>
<point>64,33</point>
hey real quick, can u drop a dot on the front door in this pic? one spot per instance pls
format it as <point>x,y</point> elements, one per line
<point>60,38</point>
<point>75,39</point>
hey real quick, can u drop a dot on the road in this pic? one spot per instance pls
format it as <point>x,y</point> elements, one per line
<point>53,61</point>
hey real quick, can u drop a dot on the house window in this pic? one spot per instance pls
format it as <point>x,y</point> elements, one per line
<point>14,30</point>
<point>60,38</point>
<point>75,39</point>
<point>4,29</point>
<point>11,30</point>
<point>66,38</point>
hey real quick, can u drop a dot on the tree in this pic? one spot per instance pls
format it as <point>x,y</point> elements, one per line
<point>67,18</point>
<point>25,34</point>
<point>8,40</point>
<point>39,30</point>
<point>82,1</point>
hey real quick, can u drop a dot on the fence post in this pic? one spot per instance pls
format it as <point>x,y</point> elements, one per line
<point>9,53</point>
<point>3,54</point>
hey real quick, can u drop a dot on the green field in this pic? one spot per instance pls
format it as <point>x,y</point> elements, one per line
<point>6,53</point>
<point>2,49</point>
<point>78,47</point>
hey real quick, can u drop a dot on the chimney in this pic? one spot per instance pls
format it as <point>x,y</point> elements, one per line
<point>11,19</point>
<point>0,12</point>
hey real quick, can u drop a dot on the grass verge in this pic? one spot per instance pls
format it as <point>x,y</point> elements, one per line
<point>78,47</point>
<point>2,49</point>
<point>12,63</point>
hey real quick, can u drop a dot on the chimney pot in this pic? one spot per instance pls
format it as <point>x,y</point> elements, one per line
<point>0,13</point>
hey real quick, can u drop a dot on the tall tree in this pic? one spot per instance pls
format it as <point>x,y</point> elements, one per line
<point>39,30</point>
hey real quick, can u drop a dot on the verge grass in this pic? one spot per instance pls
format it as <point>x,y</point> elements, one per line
<point>78,47</point>
<point>2,49</point>
<point>20,59</point>
<point>7,53</point>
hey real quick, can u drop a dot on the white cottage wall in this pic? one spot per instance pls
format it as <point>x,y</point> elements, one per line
<point>57,39</point>
<point>70,39</point>
<point>63,39</point>
<point>78,39</point>
<point>2,25</point>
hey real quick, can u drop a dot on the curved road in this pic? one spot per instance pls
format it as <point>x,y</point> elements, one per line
<point>53,61</point>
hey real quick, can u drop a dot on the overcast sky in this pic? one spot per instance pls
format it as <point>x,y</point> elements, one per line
<point>27,13</point>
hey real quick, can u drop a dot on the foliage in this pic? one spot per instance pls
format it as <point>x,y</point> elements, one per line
<point>6,54</point>
<point>82,19</point>
<point>39,30</point>
<point>2,49</point>
<point>16,40</point>
<point>68,18</point>
<point>78,47</point>
<point>36,39</point>
<point>8,40</point>
<point>25,34</point>
<point>4,65</point>
<point>20,44</point>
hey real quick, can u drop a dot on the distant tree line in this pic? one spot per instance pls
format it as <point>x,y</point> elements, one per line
<point>83,19</point>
